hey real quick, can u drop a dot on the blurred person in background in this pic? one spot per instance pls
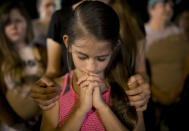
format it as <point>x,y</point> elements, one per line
<point>167,52</point>
<point>45,9</point>
<point>20,66</point>
<point>183,21</point>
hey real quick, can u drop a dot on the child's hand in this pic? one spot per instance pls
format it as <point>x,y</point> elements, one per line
<point>86,91</point>
<point>98,82</point>
<point>93,78</point>
<point>98,86</point>
<point>138,96</point>
<point>98,102</point>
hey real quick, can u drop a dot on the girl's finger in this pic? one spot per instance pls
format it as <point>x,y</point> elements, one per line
<point>89,90</point>
<point>82,79</point>
<point>92,78</point>
<point>84,84</point>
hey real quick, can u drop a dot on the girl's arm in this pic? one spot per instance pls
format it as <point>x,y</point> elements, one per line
<point>74,122</point>
<point>46,97</point>
<point>109,119</point>
<point>112,123</point>
<point>50,119</point>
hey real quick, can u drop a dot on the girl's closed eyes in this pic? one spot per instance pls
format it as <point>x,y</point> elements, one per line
<point>98,58</point>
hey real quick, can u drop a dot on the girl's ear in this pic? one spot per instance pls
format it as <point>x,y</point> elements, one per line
<point>66,42</point>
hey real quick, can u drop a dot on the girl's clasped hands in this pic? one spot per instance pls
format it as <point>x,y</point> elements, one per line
<point>91,89</point>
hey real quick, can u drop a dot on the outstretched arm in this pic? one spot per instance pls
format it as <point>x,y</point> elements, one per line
<point>44,92</point>
<point>54,51</point>
<point>139,96</point>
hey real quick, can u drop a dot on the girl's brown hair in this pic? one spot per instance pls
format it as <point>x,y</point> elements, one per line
<point>130,31</point>
<point>101,21</point>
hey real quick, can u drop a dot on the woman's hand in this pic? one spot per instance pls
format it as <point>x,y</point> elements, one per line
<point>45,93</point>
<point>139,92</point>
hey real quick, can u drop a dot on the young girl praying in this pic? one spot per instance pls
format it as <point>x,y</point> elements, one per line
<point>92,95</point>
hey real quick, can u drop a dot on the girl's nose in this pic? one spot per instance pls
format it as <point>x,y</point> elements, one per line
<point>91,66</point>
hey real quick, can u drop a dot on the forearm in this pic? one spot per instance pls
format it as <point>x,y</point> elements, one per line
<point>50,119</point>
<point>51,75</point>
<point>110,120</point>
<point>140,123</point>
<point>74,122</point>
<point>54,51</point>
<point>144,76</point>
<point>7,115</point>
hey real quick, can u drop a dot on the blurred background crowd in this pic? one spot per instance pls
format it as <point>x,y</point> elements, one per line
<point>164,32</point>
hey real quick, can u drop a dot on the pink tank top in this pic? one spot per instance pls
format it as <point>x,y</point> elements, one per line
<point>69,99</point>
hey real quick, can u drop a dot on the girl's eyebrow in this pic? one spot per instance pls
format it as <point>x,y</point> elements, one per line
<point>104,55</point>
<point>81,53</point>
<point>87,55</point>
